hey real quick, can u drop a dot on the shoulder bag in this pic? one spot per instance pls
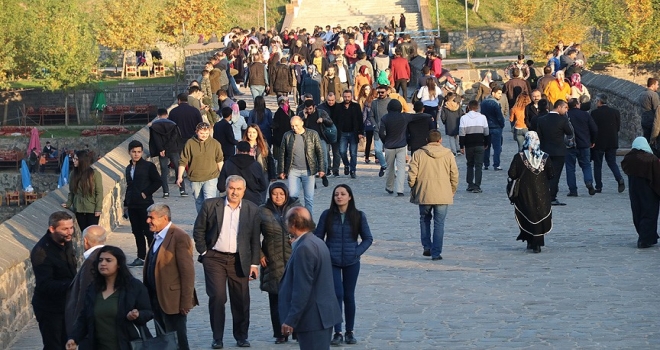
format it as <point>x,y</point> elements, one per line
<point>163,341</point>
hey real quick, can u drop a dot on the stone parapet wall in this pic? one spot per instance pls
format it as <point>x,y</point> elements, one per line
<point>21,232</point>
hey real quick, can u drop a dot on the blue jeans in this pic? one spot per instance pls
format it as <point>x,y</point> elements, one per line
<point>346,139</point>
<point>299,177</point>
<point>378,150</point>
<point>257,90</point>
<point>165,170</point>
<point>583,157</point>
<point>610,158</point>
<point>204,190</point>
<point>438,212</point>
<point>496,144</point>
<point>345,281</point>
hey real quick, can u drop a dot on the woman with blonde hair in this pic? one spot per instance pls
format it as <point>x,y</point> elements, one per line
<point>517,117</point>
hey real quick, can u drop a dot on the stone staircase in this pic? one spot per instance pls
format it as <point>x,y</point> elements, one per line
<point>345,13</point>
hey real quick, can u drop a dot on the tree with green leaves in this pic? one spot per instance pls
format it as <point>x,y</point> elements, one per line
<point>127,25</point>
<point>522,14</point>
<point>59,46</point>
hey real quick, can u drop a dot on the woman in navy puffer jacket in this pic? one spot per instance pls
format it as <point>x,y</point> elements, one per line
<point>341,226</point>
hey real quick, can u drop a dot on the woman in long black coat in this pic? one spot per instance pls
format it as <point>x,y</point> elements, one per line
<point>275,248</point>
<point>532,168</point>
<point>643,170</point>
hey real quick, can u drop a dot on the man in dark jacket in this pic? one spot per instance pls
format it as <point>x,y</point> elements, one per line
<point>243,164</point>
<point>54,264</point>
<point>142,180</point>
<point>392,131</point>
<point>552,128</point>
<point>330,106</point>
<point>532,109</point>
<point>350,128</point>
<point>318,119</point>
<point>165,143</point>
<point>515,87</point>
<point>491,108</point>
<point>608,121</point>
<point>585,131</point>
<point>186,117</point>
<point>418,131</point>
<point>224,134</point>
<point>282,79</point>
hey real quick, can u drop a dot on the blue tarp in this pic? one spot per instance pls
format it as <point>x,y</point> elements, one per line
<point>64,175</point>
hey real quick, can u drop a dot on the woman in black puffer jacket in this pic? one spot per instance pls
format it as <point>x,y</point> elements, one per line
<point>275,248</point>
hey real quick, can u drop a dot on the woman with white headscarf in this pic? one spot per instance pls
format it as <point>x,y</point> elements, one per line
<point>532,169</point>
<point>643,170</point>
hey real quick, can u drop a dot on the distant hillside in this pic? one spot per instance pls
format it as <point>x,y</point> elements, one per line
<point>452,15</point>
<point>247,14</point>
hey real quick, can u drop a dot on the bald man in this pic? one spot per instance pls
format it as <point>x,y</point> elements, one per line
<point>307,302</point>
<point>94,237</point>
<point>301,157</point>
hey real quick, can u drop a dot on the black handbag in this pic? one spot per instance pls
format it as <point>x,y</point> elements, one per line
<point>163,341</point>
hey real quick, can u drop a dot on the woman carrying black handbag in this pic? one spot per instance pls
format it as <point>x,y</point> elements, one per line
<point>115,304</point>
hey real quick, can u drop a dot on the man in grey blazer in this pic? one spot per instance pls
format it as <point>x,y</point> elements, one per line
<point>307,301</point>
<point>226,235</point>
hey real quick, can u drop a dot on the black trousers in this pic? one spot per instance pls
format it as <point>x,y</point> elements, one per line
<point>403,85</point>
<point>557,167</point>
<point>86,219</point>
<point>171,323</point>
<point>52,329</point>
<point>336,157</point>
<point>315,340</point>
<point>273,300</point>
<point>140,229</point>
<point>369,138</point>
<point>223,270</point>
<point>474,156</point>
<point>645,204</point>
<point>165,170</point>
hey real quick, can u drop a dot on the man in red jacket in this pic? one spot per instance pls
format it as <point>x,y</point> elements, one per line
<point>400,73</point>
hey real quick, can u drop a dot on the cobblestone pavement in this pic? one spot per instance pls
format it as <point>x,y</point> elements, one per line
<point>590,288</point>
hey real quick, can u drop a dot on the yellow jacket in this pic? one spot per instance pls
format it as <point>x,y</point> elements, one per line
<point>554,92</point>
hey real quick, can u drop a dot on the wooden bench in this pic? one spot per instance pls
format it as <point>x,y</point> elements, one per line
<point>30,197</point>
<point>138,114</point>
<point>111,113</point>
<point>13,196</point>
<point>10,160</point>
<point>55,114</point>
<point>131,70</point>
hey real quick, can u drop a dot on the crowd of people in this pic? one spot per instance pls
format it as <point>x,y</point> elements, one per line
<point>346,84</point>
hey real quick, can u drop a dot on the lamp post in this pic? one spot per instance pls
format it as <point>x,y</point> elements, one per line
<point>467,34</point>
<point>265,19</point>
<point>437,16</point>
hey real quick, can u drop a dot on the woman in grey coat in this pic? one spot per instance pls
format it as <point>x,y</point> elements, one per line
<point>275,248</point>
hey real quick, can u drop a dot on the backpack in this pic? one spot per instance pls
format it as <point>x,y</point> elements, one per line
<point>330,133</point>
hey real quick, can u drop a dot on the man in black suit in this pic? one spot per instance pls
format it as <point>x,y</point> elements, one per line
<point>608,121</point>
<point>226,235</point>
<point>551,129</point>
<point>306,291</point>
<point>243,164</point>
<point>186,117</point>
<point>224,133</point>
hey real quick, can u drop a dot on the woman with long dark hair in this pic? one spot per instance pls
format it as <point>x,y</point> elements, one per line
<point>341,226</point>
<point>115,304</point>
<point>276,249</point>
<point>263,117</point>
<point>430,95</point>
<point>259,150</point>
<point>364,98</point>
<point>85,190</point>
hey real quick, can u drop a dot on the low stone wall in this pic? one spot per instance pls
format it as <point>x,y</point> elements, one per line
<point>125,94</point>
<point>196,57</point>
<point>492,40</point>
<point>21,232</point>
<point>622,95</point>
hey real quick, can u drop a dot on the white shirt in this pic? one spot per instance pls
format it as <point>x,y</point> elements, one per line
<point>160,237</point>
<point>91,250</point>
<point>341,73</point>
<point>227,237</point>
<point>425,97</point>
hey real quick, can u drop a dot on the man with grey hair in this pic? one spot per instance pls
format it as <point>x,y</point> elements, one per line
<point>608,121</point>
<point>94,237</point>
<point>226,234</point>
<point>169,273</point>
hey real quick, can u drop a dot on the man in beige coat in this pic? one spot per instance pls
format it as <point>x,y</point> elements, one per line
<point>433,179</point>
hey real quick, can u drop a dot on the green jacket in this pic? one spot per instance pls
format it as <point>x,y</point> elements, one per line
<point>79,203</point>
<point>201,158</point>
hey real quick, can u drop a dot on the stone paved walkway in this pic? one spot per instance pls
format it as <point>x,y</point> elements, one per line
<point>590,288</point>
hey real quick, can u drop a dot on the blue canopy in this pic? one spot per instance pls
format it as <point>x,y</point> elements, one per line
<point>25,176</point>
<point>64,175</point>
